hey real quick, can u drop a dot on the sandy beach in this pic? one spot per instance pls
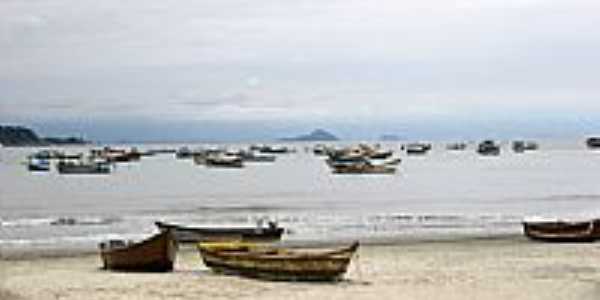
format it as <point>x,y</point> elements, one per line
<point>508,268</point>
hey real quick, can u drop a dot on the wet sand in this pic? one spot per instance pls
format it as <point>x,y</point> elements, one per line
<point>469,269</point>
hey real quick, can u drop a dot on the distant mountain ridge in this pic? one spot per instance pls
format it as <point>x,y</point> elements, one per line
<point>316,135</point>
<point>390,138</point>
<point>23,136</point>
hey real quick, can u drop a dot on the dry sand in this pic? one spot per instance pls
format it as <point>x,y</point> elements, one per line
<point>476,269</point>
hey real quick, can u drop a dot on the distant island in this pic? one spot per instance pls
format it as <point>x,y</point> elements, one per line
<point>317,135</point>
<point>390,138</point>
<point>19,136</point>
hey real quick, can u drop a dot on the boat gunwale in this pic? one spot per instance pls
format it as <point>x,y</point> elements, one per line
<point>140,244</point>
<point>344,253</point>
<point>217,230</point>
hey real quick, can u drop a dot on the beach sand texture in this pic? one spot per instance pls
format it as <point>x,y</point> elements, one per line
<point>479,269</point>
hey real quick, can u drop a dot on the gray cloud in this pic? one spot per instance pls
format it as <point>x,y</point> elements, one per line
<point>276,60</point>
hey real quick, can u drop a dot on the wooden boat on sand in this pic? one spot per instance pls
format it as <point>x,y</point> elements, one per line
<point>184,234</point>
<point>156,254</point>
<point>281,264</point>
<point>562,231</point>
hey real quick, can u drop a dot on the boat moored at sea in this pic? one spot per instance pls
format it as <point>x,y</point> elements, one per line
<point>272,149</point>
<point>90,166</point>
<point>364,167</point>
<point>223,160</point>
<point>417,148</point>
<point>522,146</point>
<point>488,147</point>
<point>321,149</point>
<point>184,153</point>
<point>593,142</point>
<point>54,154</point>
<point>117,155</point>
<point>456,146</point>
<point>381,154</point>
<point>38,165</point>
<point>277,263</point>
<point>250,156</point>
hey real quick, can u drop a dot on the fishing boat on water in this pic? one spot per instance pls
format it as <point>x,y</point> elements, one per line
<point>392,161</point>
<point>372,151</point>
<point>417,148</point>
<point>162,151</point>
<point>522,146</point>
<point>321,150</point>
<point>223,160</point>
<point>44,154</point>
<point>488,147</point>
<point>562,231</point>
<point>277,263</point>
<point>83,167</point>
<point>117,155</point>
<point>456,146</point>
<point>271,149</point>
<point>156,254</point>
<point>250,156</point>
<point>593,142</point>
<point>364,167</point>
<point>186,234</point>
<point>184,153</point>
<point>344,160</point>
<point>38,165</point>
<point>381,154</point>
<point>54,154</point>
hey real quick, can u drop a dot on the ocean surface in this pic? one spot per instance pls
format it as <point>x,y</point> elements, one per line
<point>444,194</point>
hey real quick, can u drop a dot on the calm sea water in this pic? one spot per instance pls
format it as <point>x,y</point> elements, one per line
<point>444,194</point>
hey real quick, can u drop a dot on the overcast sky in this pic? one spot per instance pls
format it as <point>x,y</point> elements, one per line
<point>324,62</point>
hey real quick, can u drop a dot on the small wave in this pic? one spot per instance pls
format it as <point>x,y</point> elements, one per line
<point>28,222</point>
<point>440,218</point>
<point>86,239</point>
<point>574,197</point>
<point>250,208</point>
<point>443,219</point>
<point>218,209</point>
<point>33,222</point>
<point>84,221</point>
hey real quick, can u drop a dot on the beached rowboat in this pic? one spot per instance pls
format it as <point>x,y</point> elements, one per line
<point>562,231</point>
<point>156,254</point>
<point>271,263</point>
<point>185,234</point>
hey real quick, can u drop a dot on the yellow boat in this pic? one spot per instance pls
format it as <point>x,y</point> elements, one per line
<point>277,263</point>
